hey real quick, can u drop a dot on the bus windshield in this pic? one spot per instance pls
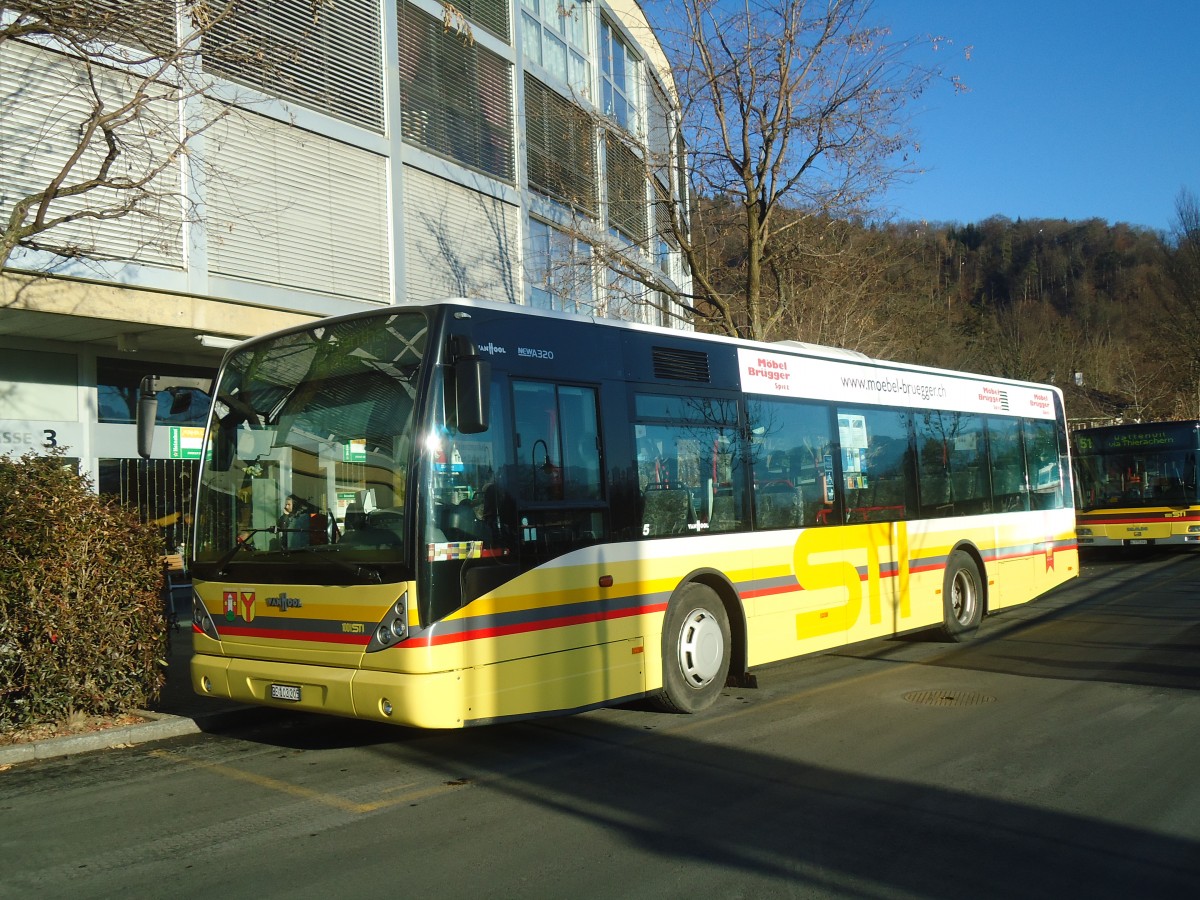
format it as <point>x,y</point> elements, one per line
<point>309,446</point>
<point>1149,477</point>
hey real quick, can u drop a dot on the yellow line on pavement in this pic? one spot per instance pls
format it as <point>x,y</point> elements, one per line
<point>305,793</point>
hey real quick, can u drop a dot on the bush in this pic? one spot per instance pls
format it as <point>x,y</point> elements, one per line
<point>82,629</point>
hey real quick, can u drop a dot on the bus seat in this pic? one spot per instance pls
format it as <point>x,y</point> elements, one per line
<point>360,532</point>
<point>724,516</point>
<point>965,484</point>
<point>356,517</point>
<point>935,492</point>
<point>779,509</point>
<point>667,511</point>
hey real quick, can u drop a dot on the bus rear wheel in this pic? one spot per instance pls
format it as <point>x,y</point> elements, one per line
<point>962,597</point>
<point>695,650</point>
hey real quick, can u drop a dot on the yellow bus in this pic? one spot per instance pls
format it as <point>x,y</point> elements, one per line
<point>464,512</point>
<point>1137,485</point>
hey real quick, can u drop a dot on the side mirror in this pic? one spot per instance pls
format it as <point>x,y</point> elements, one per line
<point>147,405</point>
<point>472,394</point>
<point>147,415</point>
<point>472,386</point>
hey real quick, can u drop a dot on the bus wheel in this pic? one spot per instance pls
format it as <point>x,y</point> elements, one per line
<point>962,597</point>
<point>695,650</point>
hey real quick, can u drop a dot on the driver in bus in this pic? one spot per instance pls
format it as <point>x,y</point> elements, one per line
<point>294,524</point>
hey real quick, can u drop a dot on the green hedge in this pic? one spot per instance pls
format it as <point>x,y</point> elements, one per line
<point>81,611</point>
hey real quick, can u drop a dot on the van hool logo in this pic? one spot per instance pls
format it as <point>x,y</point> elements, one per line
<point>494,349</point>
<point>283,602</point>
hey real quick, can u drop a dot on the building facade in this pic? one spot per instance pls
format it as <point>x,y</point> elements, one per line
<point>351,154</point>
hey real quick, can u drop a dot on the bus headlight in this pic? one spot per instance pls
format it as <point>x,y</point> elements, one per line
<point>1192,529</point>
<point>1081,532</point>
<point>201,618</point>
<point>393,628</point>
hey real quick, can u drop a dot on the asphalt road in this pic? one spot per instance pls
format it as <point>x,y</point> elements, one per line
<point>1055,756</point>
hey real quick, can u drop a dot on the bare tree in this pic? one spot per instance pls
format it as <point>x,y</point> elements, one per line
<point>1024,339</point>
<point>795,114</point>
<point>104,101</point>
<point>833,287</point>
<point>1183,301</point>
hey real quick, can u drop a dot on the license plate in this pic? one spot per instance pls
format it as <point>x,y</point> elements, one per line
<point>1138,541</point>
<point>285,692</point>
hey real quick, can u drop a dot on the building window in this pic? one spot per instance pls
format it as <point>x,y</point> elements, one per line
<point>328,57</point>
<point>559,269</point>
<point>626,179</point>
<point>148,25</point>
<point>555,36</point>
<point>619,78</point>
<point>284,194</point>
<point>626,300</point>
<point>664,234</point>
<point>455,96</point>
<point>659,122</point>
<point>681,185</point>
<point>659,127</point>
<point>561,143</point>
<point>491,15</point>
<point>658,310</point>
<point>43,104</point>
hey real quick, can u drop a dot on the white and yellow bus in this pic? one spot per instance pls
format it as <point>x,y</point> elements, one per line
<point>457,513</point>
<point>1137,485</point>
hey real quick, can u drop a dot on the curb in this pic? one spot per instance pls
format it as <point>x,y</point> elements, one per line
<point>158,726</point>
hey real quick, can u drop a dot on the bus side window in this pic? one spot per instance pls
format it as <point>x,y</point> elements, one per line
<point>689,479</point>
<point>1042,459</point>
<point>557,476</point>
<point>951,448</point>
<point>580,443</point>
<point>792,456</point>
<point>1009,491</point>
<point>877,466</point>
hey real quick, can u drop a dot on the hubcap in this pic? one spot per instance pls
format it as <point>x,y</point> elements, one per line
<point>701,648</point>
<point>963,597</point>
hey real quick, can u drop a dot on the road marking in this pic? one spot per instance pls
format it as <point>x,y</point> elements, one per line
<point>304,793</point>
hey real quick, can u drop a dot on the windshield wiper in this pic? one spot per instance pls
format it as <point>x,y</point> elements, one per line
<point>242,543</point>
<point>366,573</point>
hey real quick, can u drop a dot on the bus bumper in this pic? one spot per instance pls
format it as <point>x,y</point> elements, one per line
<point>1100,538</point>
<point>552,683</point>
<point>423,701</point>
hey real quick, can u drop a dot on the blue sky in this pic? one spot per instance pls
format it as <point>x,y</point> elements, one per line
<point>1076,110</point>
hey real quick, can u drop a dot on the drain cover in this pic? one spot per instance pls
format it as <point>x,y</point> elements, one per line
<point>948,698</point>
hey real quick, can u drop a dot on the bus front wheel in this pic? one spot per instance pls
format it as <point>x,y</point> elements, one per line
<point>962,597</point>
<point>695,650</point>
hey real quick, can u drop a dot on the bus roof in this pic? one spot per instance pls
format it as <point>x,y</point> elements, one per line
<point>789,347</point>
<point>799,348</point>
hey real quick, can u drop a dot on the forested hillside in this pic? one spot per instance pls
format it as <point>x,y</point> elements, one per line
<point>1081,304</point>
<point>1100,310</point>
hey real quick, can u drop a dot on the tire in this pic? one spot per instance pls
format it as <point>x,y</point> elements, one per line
<point>962,597</point>
<point>695,650</point>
